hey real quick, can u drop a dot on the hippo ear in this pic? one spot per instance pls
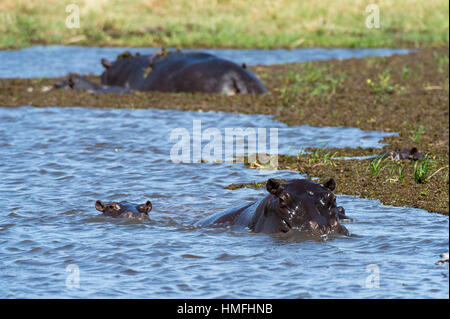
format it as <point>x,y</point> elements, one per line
<point>244,66</point>
<point>145,208</point>
<point>148,206</point>
<point>329,184</point>
<point>99,206</point>
<point>106,63</point>
<point>274,187</point>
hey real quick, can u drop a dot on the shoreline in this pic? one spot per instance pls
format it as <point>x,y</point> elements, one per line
<point>407,94</point>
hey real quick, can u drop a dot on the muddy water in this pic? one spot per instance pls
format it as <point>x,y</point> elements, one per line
<point>56,162</point>
<point>54,61</point>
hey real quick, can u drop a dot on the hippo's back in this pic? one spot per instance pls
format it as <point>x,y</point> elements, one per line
<point>182,72</point>
<point>228,216</point>
<point>129,72</point>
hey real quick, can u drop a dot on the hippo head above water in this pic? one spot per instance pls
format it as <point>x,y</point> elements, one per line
<point>303,205</point>
<point>124,210</point>
<point>298,205</point>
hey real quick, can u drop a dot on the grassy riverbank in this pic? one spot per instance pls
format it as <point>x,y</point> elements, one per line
<point>408,94</point>
<point>224,23</point>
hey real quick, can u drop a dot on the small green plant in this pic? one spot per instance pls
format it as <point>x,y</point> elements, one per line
<point>417,133</point>
<point>442,61</point>
<point>292,86</point>
<point>421,169</point>
<point>384,79</point>
<point>383,84</point>
<point>315,156</point>
<point>391,171</point>
<point>320,89</point>
<point>300,154</point>
<point>405,72</point>
<point>357,174</point>
<point>375,167</point>
<point>328,157</point>
<point>312,80</point>
<point>401,173</point>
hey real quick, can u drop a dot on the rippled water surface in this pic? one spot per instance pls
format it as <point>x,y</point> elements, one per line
<point>56,162</point>
<point>53,61</point>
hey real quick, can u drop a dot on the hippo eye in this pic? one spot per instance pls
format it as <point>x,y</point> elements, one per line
<point>327,199</point>
<point>284,198</point>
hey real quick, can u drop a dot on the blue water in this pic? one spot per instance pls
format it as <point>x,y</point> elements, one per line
<point>56,162</point>
<point>55,61</point>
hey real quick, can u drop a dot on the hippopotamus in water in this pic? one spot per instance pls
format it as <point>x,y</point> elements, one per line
<point>298,204</point>
<point>180,72</point>
<point>410,154</point>
<point>78,83</point>
<point>124,209</point>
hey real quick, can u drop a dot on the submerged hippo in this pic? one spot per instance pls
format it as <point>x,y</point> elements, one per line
<point>124,209</point>
<point>170,72</point>
<point>78,83</point>
<point>180,72</point>
<point>298,204</point>
<point>410,154</point>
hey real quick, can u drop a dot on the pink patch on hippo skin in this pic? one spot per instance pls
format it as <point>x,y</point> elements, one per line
<point>313,224</point>
<point>129,215</point>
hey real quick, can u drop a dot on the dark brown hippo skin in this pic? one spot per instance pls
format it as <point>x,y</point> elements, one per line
<point>180,72</point>
<point>409,154</point>
<point>299,205</point>
<point>124,209</point>
<point>78,83</point>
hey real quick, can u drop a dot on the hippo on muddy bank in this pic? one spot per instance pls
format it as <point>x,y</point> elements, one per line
<point>124,209</point>
<point>412,154</point>
<point>78,83</point>
<point>299,205</point>
<point>176,71</point>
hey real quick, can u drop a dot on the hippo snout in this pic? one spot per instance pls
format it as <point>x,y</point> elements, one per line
<point>332,227</point>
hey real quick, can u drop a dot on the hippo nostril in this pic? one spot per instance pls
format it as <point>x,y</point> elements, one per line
<point>333,222</point>
<point>313,224</point>
<point>287,223</point>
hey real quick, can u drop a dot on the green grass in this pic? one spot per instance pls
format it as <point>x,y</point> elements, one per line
<point>417,133</point>
<point>319,156</point>
<point>442,61</point>
<point>224,23</point>
<point>311,81</point>
<point>405,72</point>
<point>421,170</point>
<point>383,84</point>
<point>401,173</point>
<point>375,167</point>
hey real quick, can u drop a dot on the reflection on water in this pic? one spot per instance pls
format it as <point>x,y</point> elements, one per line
<point>56,162</point>
<point>53,61</point>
